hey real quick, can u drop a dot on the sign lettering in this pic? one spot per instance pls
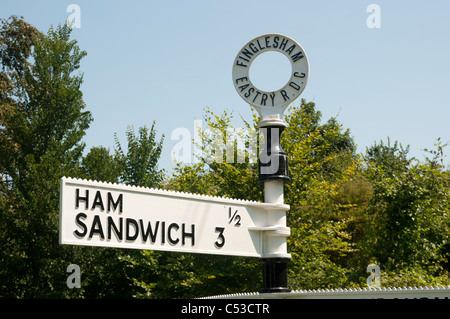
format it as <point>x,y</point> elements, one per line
<point>276,99</point>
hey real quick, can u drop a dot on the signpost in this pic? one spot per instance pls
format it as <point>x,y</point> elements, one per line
<point>112,215</point>
<point>273,161</point>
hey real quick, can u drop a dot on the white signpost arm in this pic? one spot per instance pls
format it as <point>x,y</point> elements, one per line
<point>113,215</point>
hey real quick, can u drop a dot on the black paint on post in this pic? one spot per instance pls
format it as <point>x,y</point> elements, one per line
<point>274,269</point>
<point>275,154</point>
<point>274,275</point>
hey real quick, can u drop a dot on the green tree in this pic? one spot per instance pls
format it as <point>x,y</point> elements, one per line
<point>391,158</point>
<point>408,217</point>
<point>100,165</point>
<point>139,165</point>
<point>42,122</point>
<point>322,161</point>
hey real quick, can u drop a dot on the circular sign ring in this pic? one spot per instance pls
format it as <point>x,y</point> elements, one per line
<point>278,100</point>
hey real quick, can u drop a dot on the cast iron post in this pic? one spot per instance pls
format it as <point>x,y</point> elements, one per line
<point>273,172</point>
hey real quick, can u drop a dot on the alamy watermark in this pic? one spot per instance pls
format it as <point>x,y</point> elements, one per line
<point>74,19</point>
<point>74,279</point>
<point>373,21</point>
<point>232,145</point>
<point>373,281</point>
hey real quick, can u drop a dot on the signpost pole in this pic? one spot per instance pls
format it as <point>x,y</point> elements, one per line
<point>273,161</point>
<point>273,172</point>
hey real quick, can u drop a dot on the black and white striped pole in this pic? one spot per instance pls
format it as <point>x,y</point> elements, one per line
<point>273,172</point>
<point>273,161</point>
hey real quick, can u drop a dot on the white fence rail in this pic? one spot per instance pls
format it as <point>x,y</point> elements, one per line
<point>377,293</point>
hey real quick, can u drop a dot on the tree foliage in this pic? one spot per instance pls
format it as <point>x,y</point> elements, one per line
<point>139,166</point>
<point>408,215</point>
<point>42,122</point>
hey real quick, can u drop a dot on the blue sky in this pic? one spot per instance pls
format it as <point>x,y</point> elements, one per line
<point>165,61</point>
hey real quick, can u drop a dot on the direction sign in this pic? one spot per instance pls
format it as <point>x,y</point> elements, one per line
<point>112,215</point>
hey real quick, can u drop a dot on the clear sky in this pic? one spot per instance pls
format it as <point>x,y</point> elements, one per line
<point>165,61</point>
